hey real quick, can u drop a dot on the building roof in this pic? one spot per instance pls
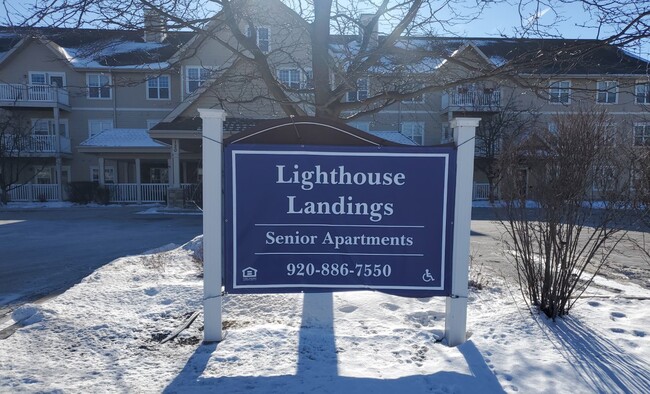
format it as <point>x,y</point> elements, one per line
<point>230,125</point>
<point>123,138</point>
<point>97,48</point>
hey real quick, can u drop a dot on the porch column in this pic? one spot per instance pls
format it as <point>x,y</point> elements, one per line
<point>102,181</point>
<point>175,196</point>
<point>176,164</point>
<point>138,181</point>
<point>59,173</point>
<point>57,146</point>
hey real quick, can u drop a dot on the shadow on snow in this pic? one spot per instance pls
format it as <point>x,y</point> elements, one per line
<point>317,369</point>
<point>603,365</point>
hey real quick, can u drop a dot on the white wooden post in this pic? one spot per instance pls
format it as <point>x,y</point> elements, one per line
<point>57,140</point>
<point>101,174</point>
<point>212,221</point>
<point>176,172</point>
<point>138,180</point>
<point>456,304</point>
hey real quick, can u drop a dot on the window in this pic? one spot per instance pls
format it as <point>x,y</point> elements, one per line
<point>263,38</point>
<point>414,130</point>
<point>42,127</point>
<point>158,175</point>
<point>158,87</point>
<point>195,77</point>
<point>642,93</point>
<point>365,126</point>
<point>642,134</point>
<point>294,78</point>
<point>109,174</point>
<point>604,179</point>
<point>639,180</point>
<point>96,126</point>
<point>446,134</point>
<point>609,134</point>
<point>559,92</point>
<point>290,78</point>
<point>606,92</point>
<point>36,78</point>
<point>362,91</point>
<point>99,86</point>
<point>46,127</point>
<point>45,175</point>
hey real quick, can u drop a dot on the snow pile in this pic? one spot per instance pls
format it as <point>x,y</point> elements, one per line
<point>106,334</point>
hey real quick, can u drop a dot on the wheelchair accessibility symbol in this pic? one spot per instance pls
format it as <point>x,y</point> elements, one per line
<point>427,277</point>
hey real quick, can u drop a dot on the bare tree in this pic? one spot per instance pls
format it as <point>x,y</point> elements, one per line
<point>16,153</point>
<point>578,185</point>
<point>495,134</point>
<point>333,46</point>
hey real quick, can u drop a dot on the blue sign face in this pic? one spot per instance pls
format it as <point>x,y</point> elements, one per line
<point>333,218</point>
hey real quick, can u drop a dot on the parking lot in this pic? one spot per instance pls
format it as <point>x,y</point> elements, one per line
<point>48,250</point>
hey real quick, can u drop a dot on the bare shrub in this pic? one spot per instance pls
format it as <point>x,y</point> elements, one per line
<point>567,204</point>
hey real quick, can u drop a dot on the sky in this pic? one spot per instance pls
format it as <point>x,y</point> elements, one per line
<point>567,21</point>
<point>499,18</point>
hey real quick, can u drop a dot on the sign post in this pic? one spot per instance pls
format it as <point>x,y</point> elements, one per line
<point>212,222</point>
<point>456,303</point>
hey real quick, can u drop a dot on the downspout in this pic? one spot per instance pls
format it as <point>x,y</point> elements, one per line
<point>110,71</point>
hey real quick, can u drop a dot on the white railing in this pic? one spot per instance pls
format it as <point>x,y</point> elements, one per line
<point>35,192</point>
<point>481,191</point>
<point>476,100</point>
<point>15,145</point>
<point>154,192</point>
<point>149,192</point>
<point>123,192</point>
<point>33,93</point>
<point>190,190</point>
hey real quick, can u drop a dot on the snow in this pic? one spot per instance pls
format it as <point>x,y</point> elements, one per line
<point>123,138</point>
<point>87,56</point>
<point>498,61</point>
<point>105,334</point>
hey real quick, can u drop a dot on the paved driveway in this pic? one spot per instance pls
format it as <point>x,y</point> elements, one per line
<point>49,250</point>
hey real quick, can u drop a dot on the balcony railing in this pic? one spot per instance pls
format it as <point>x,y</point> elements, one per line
<point>16,145</point>
<point>30,94</point>
<point>472,101</point>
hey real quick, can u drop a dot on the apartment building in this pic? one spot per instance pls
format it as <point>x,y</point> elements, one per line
<point>119,107</point>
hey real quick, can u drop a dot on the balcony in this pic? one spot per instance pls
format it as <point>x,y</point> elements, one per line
<point>35,145</point>
<point>37,96</point>
<point>472,101</point>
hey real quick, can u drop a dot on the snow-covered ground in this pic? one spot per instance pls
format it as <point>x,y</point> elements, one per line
<point>106,333</point>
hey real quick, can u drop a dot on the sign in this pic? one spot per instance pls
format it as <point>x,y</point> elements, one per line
<point>339,218</point>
